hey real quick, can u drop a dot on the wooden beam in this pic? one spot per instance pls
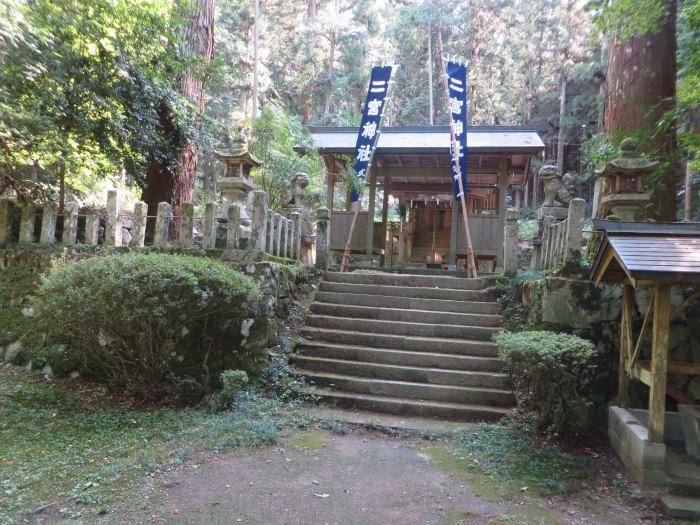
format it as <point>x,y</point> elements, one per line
<point>370,213</point>
<point>623,380</point>
<point>659,361</point>
<point>643,331</point>
<point>502,190</point>
<point>675,367</point>
<point>385,217</point>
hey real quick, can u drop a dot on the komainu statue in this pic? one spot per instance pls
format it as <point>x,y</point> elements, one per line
<point>294,190</point>
<point>556,192</point>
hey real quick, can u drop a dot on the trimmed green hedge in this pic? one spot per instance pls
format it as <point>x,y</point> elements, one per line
<point>551,376</point>
<point>155,324</point>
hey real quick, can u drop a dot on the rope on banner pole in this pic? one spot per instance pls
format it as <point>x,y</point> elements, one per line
<point>471,265</point>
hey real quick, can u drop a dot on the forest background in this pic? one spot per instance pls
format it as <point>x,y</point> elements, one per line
<point>101,92</point>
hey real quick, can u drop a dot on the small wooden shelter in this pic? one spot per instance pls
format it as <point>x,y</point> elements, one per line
<point>659,256</point>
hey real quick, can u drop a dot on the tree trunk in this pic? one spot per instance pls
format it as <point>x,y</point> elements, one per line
<point>163,183</point>
<point>308,90</point>
<point>562,129</point>
<point>329,80</point>
<point>641,87</point>
<point>256,59</point>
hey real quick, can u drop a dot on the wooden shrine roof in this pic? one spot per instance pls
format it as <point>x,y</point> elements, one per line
<point>634,252</point>
<point>507,140</point>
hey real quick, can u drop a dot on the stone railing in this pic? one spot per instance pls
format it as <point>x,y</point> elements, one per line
<point>269,232</point>
<point>561,241</point>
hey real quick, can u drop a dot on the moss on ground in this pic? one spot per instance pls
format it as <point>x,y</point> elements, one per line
<point>79,448</point>
<point>309,440</point>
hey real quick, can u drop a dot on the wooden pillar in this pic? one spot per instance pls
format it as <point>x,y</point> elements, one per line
<point>659,361</point>
<point>623,380</point>
<point>526,193</point>
<point>386,259</point>
<point>502,190</point>
<point>370,214</point>
<point>454,228</point>
<point>330,188</point>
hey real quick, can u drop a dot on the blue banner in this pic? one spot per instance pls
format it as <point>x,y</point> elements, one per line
<point>371,121</point>
<point>457,87</point>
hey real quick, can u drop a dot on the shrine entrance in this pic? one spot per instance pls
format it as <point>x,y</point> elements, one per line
<point>417,224</point>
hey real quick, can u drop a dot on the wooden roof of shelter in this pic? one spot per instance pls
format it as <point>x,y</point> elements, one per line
<point>421,154</point>
<point>643,253</point>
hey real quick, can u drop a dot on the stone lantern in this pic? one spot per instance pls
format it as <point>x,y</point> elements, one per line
<point>236,183</point>
<point>625,187</point>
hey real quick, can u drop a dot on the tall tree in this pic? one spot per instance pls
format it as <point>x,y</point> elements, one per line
<point>641,84</point>
<point>176,184</point>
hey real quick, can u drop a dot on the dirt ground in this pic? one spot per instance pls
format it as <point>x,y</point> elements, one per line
<point>365,478</point>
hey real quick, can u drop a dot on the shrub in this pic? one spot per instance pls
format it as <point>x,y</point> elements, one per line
<point>155,324</point>
<point>551,375</point>
<point>232,382</point>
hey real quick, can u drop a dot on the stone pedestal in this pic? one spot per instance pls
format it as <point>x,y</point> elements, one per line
<point>625,205</point>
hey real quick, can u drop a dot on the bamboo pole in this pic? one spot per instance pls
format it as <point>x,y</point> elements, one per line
<point>471,266</point>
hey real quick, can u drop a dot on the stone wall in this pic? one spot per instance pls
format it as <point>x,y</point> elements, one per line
<point>576,305</point>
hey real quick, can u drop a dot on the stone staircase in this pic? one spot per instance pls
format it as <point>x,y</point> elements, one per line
<point>405,344</point>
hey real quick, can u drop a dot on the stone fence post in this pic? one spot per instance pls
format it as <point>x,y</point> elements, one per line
<point>163,216</point>
<point>277,247</point>
<point>138,231</point>
<point>26,223</point>
<point>574,230</point>
<point>322,232</point>
<point>270,229</point>
<point>258,224</point>
<point>186,240</point>
<point>209,237</point>
<point>547,243</point>
<point>113,230</point>
<point>290,238</point>
<point>296,219</point>
<point>92,229</point>
<point>70,223</point>
<point>5,220</point>
<point>233,228</point>
<point>510,242</point>
<point>48,222</point>
<point>284,241</point>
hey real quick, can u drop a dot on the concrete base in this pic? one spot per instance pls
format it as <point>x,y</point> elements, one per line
<point>645,461</point>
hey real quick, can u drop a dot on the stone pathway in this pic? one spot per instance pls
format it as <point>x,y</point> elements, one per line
<point>359,478</point>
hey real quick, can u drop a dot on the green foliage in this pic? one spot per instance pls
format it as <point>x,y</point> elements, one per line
<point>510,452</point>
<point>276,137</point>
<point>551,375</point>
<point>153,324</point>
<point>628,18</point>
<point>73,444</point>
<point>82,87</point>
<point>232,382</point>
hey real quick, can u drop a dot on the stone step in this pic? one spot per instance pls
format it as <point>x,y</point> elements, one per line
<point>400,357</point>
<point>681,486</point>
<point>388,279</point>
<point>411,407</point>
<point>413,374</point>
<point>444,345</point>
<point>681,507</point>
<point>480,333</point>
<point>437,305</point>
<point>410,390</point>
<point>405,291</point>
<point>399,314</point>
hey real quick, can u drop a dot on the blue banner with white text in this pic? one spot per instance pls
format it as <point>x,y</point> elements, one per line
<point>371,121</point>
<point>457,87</point>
